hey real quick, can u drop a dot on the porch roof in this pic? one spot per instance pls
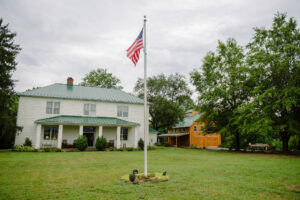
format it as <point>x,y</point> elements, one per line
<point>172,134</point>
<point>84,120</point>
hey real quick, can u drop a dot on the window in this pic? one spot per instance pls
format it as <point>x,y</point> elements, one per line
<point>50,132</point>
<point>122,111</point>
<point>195,128</point>
<point>92,109</point>
<point>50,109</point>
<point>124,133</point>
<point>56,107</point>
<point>89,109</point>
<point>89,129</point>
<point>201,128</point>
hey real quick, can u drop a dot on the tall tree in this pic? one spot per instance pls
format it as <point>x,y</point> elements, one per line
<point>169,97</point>
<point>8,110</point>
<point>223,86</point>
<point>274,57</point>
<point>101,78</point>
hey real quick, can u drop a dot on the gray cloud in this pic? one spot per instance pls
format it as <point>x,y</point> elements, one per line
<point>70,38</point>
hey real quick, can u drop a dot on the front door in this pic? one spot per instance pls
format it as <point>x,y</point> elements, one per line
<point>89,132</point>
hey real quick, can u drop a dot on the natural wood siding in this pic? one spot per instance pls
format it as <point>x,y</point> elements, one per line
<point>197,138</point>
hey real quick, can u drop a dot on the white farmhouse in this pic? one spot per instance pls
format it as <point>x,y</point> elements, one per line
<point>55,115</point>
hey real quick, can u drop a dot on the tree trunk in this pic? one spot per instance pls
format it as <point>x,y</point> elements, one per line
<point>285,137</point>
<point>237,141</point>
<point>285,141</point>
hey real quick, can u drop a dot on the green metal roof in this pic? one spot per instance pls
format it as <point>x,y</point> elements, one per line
<point>83,120</point>
<point>172,134</point>
<point>151,130</point>
<point>65,91</point>
<point>187,121</point>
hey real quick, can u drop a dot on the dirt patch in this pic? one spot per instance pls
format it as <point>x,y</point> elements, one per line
<point>293,188</point>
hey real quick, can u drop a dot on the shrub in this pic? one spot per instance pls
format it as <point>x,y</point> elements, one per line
<point>276,145</point>
<point>24,149</point>
<point>121,149</point>
<point>53,149</point>
<point>112,149</point>
<point>141,144</point>
<point>150,148</point>
<point>101,143</point>
<point>130,149</point>
<point>27,142</point>
<point>294,142</point>
<point>158,144</point>
<point>193,147</point>
<point>81,143</point>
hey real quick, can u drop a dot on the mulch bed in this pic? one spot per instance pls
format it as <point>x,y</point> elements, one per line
<point>141,178</point>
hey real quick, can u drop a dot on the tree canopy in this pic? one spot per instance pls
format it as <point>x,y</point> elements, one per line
<point>101,78</point>
<point>256,94</point>
<point>8,110</point>
<point>169,97</point>
<point>223,87</point>
<point>275,68</point>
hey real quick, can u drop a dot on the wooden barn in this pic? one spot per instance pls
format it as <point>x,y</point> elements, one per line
<point>190,132</point>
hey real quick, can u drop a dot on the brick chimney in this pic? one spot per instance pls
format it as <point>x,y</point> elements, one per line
<point>70,81</point>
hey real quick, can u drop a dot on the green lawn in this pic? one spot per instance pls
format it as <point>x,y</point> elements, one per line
<point>195,174</point>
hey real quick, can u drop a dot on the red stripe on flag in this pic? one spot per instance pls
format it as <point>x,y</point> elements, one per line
<point>133,52</point>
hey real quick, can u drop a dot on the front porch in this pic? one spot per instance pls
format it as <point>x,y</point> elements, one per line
<point>62,131</point>
<point>177,139</point>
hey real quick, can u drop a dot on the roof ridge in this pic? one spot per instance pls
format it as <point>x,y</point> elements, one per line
<point>88,86</point>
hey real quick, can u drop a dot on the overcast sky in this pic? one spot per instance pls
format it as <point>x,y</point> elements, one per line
<point>70,38</point>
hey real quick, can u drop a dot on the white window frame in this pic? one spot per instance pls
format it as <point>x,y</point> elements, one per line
<point>52,107</point>
<point>49,107</point>
<point>56,107</point>
<point>123,132</point>
<point>122,111</point>
<point>89,109</point>
<point>51,133</point>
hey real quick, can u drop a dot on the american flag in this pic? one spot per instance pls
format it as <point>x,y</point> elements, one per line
<point>133,52</point>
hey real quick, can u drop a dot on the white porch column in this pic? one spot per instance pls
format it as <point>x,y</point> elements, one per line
<point>100,131</point>
<point>59,138</point>
<point>80,130</point>
<point>118,137</point>
<point>38,136</point>
<point>135,137</point>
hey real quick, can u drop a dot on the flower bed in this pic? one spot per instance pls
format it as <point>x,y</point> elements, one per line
<point>141,178</point>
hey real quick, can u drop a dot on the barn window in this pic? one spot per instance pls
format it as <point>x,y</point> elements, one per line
<point>202,128</point>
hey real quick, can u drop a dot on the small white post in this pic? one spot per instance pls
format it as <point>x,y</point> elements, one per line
<point>100,131</point>
<point>81,130</point>
<point>118,137</point>
<point>38,136</point>
<point>59,138</point>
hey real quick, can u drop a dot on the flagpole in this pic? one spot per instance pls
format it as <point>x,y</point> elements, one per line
<point>145,102</point>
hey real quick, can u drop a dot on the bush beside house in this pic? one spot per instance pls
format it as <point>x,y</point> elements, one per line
<point>101,143</point>
<point>28,142</point>
<point>141,144</point>
<point>81,143</point>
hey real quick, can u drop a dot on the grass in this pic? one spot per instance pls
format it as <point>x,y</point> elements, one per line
<point>194,174</point>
